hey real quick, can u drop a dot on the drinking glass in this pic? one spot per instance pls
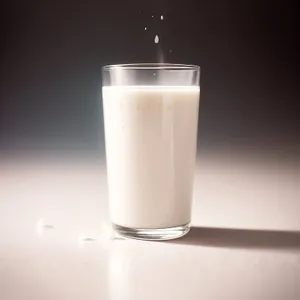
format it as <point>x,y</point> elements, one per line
<point>150,122</point>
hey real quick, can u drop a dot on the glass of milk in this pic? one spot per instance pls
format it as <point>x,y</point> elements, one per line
<point>151,121</point>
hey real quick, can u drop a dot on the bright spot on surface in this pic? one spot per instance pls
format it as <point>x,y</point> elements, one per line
<point>41,226</point>
<point>145,28</point>
<point>156,39</point>
<point>161,17</point>
<point>107,232</point>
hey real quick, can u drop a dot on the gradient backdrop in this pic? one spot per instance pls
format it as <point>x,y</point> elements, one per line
<point>52,53</point>
<point>54,222</point>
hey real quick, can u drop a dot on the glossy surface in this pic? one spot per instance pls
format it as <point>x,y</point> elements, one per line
<point>56,241</point>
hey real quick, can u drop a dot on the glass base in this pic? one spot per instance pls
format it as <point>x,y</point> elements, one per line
<point>152,234</point>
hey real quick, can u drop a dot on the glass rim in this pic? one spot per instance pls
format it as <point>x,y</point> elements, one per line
<point>152,66</point>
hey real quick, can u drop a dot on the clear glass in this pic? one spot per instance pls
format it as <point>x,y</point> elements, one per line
<point>151,121</point>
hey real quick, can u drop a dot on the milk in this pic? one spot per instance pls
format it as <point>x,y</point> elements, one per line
<point>151,136</point>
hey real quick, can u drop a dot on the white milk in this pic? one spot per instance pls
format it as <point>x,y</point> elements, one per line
<point>151,136</point>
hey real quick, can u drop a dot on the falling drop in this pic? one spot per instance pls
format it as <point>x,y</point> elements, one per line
<point>170,50</point>
<point>156,39</point>
<point>145,28</point>
<point>161,17</point>
<point>154,74</point>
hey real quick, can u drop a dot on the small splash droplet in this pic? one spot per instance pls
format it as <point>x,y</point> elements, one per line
<point>49,226</point>
<point>146,28</point>
<point>154,74</point>
<point>170,50</point>
<point>88,239</point>
<point>85,241</point>
<point>119,237</point>
<point>41,227</point>
<point>152,16</point>
<point>156,39</point>
<point>161,17</point>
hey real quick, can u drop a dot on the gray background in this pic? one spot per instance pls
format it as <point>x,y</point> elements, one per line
<point>52,53</point>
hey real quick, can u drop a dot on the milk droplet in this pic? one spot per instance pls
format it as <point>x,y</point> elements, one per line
<point>145,28</point>
<point>161,17</point>
<point>88,239</point>
<point>156,39</point>
<point>152,16</point>
<point>41,226</point>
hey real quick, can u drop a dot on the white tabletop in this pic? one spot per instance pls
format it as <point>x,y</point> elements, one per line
<point>56,242</point>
